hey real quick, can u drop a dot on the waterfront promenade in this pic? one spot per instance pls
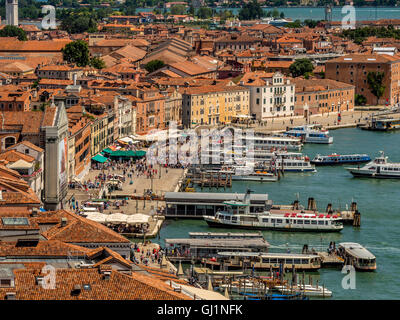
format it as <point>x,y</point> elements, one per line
<point>165,180</point>
<point>329,121</point>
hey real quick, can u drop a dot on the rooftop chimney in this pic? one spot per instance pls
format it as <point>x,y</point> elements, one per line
<point>34,212</point>
<point>74,78</point>
<point>11,296</point>
<point>63,222</point>
<point>76,290</point>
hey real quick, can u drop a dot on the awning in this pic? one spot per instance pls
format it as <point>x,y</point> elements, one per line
<point>128,153</point>
<point>137,218</point>
<point>117,218</point>
<point>99,158</point>
<point>97,217</point>
<point>125,140</point>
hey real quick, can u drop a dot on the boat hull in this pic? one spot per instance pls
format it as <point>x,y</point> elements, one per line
<point>255,178</point>
<point>361,174</point>
<point>335,163</point>
<point>217,224</point>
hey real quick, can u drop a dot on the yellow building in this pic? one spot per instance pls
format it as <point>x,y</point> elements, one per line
<point>214,104</point>
<point>99,133</point>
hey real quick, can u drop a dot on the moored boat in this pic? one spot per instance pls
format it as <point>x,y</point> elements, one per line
<point>237,215</point>
<point>379,168</point>
<point>266,261</point>
<point>309,134</point>
<point>334,159</point>
<point>357,256</point>
<point>306,289</point>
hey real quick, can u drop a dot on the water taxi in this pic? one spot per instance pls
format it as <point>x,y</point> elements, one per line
<point>306,289</point>
<point>379,168</point>
<point>357,256</point>
<point>309,134</point>
<point>267,261</point>
<point>335,158</point>
<point>236,214</point>
<point>240,286</point>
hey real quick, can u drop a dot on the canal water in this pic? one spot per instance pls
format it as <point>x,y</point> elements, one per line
<point>378,201</point>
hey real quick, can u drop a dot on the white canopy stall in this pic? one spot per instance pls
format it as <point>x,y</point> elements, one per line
<point>117,218</point>
<point>138,219</point>
<point>97,217</point>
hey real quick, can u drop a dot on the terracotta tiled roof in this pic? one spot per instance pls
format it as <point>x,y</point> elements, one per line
<point>27,144</point>
<point>92,286</point>
<point>365,58</point>
<point>52,248</point>
<point>13,156</point>
<point>13,45</point>
<point>81,230</point>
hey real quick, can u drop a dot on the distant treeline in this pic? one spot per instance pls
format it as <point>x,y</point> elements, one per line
<point>360,34</point>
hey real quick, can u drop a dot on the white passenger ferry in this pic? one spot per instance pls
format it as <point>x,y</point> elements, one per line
<point>267,261</point>
<point>309,134</point>
<point>237,215</point>
<point>379,168</point>
<point>357,256</point>
<point>268,142</point>
<point>285,161</point>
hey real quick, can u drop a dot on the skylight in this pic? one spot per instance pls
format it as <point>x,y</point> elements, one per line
<point>15,221</point>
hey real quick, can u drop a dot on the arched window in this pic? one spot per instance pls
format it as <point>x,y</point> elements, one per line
<point>9,141</point>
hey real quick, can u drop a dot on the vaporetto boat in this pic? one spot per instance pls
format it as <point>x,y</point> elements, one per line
<point>309,134</point>
<point>334,159</point>
<point>236,214</point>
<point>379,168</point>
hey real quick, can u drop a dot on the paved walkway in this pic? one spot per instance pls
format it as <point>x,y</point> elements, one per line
<point>327,120</point>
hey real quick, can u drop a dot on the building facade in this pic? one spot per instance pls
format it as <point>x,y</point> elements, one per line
<point>353,69</point>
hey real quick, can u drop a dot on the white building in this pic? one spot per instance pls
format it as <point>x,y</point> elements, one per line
<point>271,94</point>
<point>12,12</point>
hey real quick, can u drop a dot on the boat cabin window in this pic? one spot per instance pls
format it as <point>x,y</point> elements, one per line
<point>279,221</point>
<point>265,220</point>
<point>297,261</point>
<point>299,221</point>
<point>326,223</point>
<point>287,221</point>
<point>273,260</point>
<point>272,220</point>
<point>306,221</point>
<point>289,261</point>
<point>304,261</point>
<point>234,219</point>
<point>320,222</point>
<point>313,222</point>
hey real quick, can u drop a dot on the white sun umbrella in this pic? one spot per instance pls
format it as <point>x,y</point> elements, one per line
<point>116,218</point>
<point>96,216</point>
<point>138,218</point>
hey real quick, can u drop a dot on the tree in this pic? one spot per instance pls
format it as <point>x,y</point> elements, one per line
<point>360,100</point>
<point>301,67</point>
<point>375,81</point>
<point>178,9</point>
<point>251,10</point>
<point>97,63</point>
<point>76,52</point>
<point>12,31</point>
<point>311,23</point>
<point>204,13</point>
<point>294,24</point>
<point>154,65</point>
<point>79,22</point>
